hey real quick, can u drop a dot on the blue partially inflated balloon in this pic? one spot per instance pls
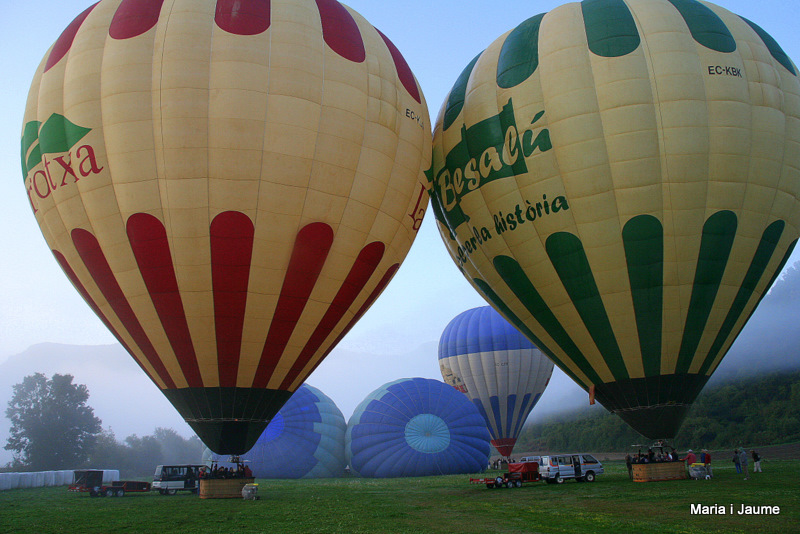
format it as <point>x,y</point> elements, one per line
<point>416,427</point>
<point>304,440</point>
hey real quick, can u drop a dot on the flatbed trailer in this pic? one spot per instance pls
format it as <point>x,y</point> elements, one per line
<point>517,474</point>
<point>91,481</point>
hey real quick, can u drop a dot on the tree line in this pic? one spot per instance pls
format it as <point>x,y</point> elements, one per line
<point>761,410</point>
<point>53,428</point>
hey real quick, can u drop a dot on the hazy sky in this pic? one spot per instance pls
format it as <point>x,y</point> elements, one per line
<point>437,37</point>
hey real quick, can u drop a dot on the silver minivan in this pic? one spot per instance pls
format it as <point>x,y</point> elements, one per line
<point>555,468</point>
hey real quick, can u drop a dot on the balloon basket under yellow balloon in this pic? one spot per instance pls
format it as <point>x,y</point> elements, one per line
<point>223,488</point>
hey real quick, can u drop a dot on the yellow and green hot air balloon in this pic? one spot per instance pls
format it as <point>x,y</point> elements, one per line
<point>620,179</point>
<point>229,184</point>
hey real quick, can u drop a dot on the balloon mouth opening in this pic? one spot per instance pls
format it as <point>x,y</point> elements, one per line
<point>653,406</point>
<point>504,446</point>
<point>232,437</point>
<point>228,420</point>
<point>656,422</point>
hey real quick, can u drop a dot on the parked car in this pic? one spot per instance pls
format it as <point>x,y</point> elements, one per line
<point>556,468</point>
<point>169,479</point>
<point>537,459</point>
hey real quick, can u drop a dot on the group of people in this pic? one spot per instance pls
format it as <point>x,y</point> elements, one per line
<point>218,471</point>
<point>651,456</point>
<point>705,458</point>
<point>740,462</point>
<point>498,464</point>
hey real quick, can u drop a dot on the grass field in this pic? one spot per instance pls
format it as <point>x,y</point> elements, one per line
<point>446,504</point>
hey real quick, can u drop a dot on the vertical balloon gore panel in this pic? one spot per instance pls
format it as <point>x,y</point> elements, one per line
<point>229,185</point>
<point>637,196</point>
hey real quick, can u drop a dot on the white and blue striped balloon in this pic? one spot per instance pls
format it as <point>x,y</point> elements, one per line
<point>497,368</point>
<point>416,427</point>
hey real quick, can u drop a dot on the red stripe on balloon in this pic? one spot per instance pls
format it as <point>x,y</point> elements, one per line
<point>311,247</point>
<point>340,31</point>
<point>403,70</point>
<point>231,251</point>
<point>97,265</point>
<point>64,41</point>
<point>150,246</point>
<point>134,17</point>
<point>243,17</point>
<point>387,276</point>
<point>360,273</point>
<point>62,261</point>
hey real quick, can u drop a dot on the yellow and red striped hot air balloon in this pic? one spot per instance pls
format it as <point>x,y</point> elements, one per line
<point>229,185</point>
<point>621,180</point>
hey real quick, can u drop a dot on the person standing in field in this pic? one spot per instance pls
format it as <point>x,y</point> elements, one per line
<point>707,462</point>
<point>756,462</point>
<point>743,462</point>
<point>736,461</point>
<point>628,464</point>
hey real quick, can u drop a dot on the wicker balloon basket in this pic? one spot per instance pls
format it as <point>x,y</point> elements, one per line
<point>655,472</point>
<point>223,488</point>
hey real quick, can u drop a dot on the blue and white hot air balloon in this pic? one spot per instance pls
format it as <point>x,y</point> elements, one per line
<point>304,440</point>
<point>416,427</point>
<point>497,368</point>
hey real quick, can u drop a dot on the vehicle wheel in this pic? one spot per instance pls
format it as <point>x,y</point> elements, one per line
<point>172,491</point>
<point>120,492</point>
<point>510,484</point>
<point>498,482</point>
<point>109,492</point>
<point>558,479</point>
<point>518,484</point>
<point>589,477</point>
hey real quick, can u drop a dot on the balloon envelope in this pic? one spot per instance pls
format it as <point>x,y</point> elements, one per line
<point>229,185</point>
<point>497,368</point>
<point>416,427</point>
<point>305,439</point>
<point>619,179</point>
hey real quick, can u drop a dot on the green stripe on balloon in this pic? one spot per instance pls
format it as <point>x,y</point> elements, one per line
<point>519,56</point>
<point>772,45</point>
<point>492,297</point>
<point>643,238</point>
<point>30,135</point>
<point>610,28</point>
<point>762,257</point>
<point>455,101</point>
<point>715,249</point>
<point>706,27</point>
<point>516,279</point>
<point>570,262</point>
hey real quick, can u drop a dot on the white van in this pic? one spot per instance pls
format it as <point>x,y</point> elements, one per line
<point>168,479</point>
<point>556,468</point>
